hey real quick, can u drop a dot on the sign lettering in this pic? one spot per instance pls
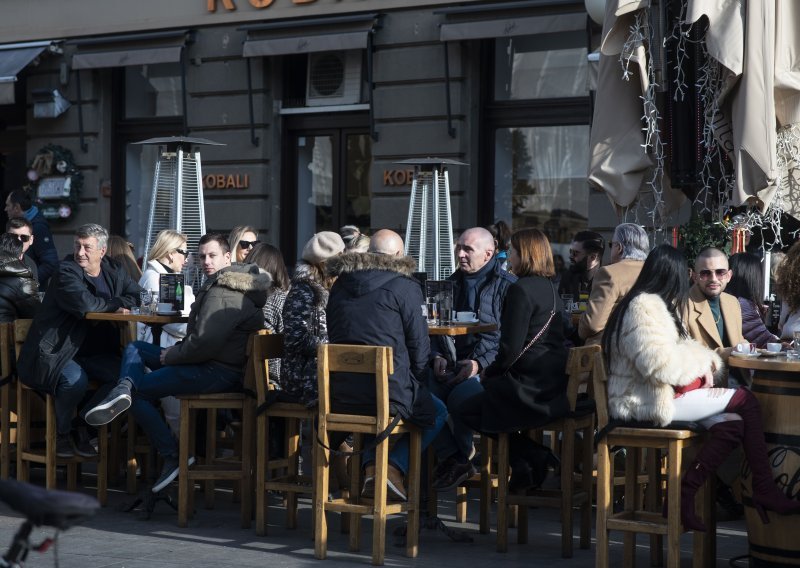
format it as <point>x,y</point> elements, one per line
<point>229,181</point>
<point>398,177</point>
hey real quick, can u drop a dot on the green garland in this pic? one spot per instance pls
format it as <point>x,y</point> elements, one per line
<point>700,233</point>
<point>55,161</point>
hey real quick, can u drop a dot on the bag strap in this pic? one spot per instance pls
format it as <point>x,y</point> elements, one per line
<point>541,331</point>
<point>371,445</point>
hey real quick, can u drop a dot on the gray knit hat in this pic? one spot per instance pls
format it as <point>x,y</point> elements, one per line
<point>322,246</point>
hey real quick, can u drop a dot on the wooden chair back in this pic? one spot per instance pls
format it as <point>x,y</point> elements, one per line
<point>375,363</point>
<point>600,387</point>
<point>263,347</point>
<point>21,329</point>
<point>7,352</point>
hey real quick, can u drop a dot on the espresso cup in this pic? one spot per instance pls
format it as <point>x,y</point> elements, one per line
<point>165,307</point>
<point>465,316</point>
<point>774,347</point>
<point>746,348</point>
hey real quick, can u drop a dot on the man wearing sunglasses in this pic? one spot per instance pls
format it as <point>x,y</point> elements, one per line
<point>23,230</point>
<point>714,318</point>
<point>19,203</point>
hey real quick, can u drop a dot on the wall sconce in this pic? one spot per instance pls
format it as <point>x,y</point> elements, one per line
<point>48,103</point>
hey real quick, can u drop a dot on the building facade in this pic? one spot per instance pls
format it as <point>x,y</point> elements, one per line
<point>315,102</point>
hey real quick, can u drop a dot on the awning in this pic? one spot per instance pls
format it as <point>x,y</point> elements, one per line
<point>309,36</point>
<point>13,59</point>
<point>124,51</point>
<point>508,27</point>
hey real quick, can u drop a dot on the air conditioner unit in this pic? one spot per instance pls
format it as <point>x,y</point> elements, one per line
<point>334,78</point>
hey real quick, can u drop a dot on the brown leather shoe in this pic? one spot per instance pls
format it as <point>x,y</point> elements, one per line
<point>368,489</point>
<point>394,484</point>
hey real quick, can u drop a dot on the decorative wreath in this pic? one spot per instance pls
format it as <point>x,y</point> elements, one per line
<point>56,182</point>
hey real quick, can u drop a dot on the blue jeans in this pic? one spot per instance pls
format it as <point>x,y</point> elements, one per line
<point>169,380</point>
<point>74,382</point>
<point>459,439</point>
<point>398,455</point>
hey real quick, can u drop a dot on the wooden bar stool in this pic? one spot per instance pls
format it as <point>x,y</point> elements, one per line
<point>268,347</point>
<point>237,468</point>
<point>375,363</point>
<point>7,399</point>
<point>27,454</point>
<point>579,420</point>
<point>636,518</point>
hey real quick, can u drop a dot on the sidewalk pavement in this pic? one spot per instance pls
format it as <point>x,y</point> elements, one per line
<point>114,538</point>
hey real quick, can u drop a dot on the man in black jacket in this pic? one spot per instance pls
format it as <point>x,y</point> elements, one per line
<point>19,203</point>
<point>375,301</point>
<point>479,286</point>
<point>63,349</point>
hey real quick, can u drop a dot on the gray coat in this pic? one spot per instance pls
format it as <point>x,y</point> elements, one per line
<point>227,309</point>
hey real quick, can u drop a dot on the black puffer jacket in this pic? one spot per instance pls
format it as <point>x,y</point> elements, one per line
<point>18,290</point>
<point>59,327</point>
<point>375,301</point>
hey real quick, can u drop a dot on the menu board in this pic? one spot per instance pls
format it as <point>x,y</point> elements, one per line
<point>439,290</point>
<point>170,290</point>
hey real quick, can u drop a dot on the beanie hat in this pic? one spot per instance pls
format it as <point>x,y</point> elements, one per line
<point>322,246</point>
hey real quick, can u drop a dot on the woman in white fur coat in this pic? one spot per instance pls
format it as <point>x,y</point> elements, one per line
<point>658,374</point>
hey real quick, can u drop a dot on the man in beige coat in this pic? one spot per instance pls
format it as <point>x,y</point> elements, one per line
<point>629,249</point>
<point>714,318</point>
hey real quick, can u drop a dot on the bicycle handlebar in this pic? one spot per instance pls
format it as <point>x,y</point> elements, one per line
<point>52,508</point>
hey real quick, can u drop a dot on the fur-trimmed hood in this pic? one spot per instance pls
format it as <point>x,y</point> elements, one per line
<point>247,279</point>
<point>361,273</point>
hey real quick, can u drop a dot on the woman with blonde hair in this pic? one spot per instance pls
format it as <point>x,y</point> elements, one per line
<point>167,256</point>
<point>242,239</point>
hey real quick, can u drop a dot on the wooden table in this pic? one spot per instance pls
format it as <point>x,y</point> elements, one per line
<point>155,321</point>
<point>776,385</point>
<point>461,328</point>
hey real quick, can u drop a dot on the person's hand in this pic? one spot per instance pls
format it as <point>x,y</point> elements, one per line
<point>163,355</point>
<point>466,368</point>
<point>122,311</point>
<point>439,366</point>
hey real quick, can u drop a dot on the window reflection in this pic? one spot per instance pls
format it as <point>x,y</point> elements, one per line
<point>540,179</point>
<point>541,67</point>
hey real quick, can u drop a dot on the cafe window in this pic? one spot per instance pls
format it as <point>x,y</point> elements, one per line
<point>537,111</point>
<point>153,91</point>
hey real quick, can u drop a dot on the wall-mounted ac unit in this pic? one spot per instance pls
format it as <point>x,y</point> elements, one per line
<point>334,78</point>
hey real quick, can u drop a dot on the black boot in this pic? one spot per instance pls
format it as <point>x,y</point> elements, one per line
<point>530,463</point>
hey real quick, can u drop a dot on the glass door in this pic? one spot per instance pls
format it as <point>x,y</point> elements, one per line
<point>330,170</point>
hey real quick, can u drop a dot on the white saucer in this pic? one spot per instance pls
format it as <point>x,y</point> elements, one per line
<point>765,353</point>
<point>745,355</point>
<point>168,313</point>
<point>466,321</point>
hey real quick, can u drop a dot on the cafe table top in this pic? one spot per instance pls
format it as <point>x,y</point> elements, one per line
<point>780,363</point>
<point>149,319</point>
<point>461,328</point>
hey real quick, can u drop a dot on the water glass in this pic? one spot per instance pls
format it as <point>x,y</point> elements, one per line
<point>796,342</point>
<point>153,302</point>
<point>446,315</point>
<point>432,307</point>
<point>145,299</point>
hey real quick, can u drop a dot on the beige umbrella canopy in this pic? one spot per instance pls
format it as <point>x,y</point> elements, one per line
<point>756,102</point>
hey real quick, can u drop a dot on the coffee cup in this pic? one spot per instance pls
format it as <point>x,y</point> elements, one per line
<point>465,316</point>
<point>774,347</point>
<point>746,348</point>
<point>165,307</point>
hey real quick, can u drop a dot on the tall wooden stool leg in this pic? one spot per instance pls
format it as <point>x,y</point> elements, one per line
<point>486,484</point>
<point>355,489</point>
<point>605,488</point>
<point>321,495</point>
<point>50,447</point>
<point>502,492</point>
<point>379,503</point>
<point>185,487</point>
<point>674,527</point>
<point>413,481</point>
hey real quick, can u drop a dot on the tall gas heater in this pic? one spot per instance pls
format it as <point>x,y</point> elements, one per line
<point>429,231</point>
<point>177,198</point>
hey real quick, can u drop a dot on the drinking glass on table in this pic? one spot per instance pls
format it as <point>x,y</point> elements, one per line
<point>432,307</point>
<point>153,301</point>
<point>145,299</point>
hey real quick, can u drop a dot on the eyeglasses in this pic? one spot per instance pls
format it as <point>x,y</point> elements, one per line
<point>23,238</point>
<point>719,272</point>
<point>184,252</point>
<point>247,244</point>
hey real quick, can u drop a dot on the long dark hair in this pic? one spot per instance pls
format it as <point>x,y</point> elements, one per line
<point>665,274</point>
<point>270,259</point>
<point>748,277</point>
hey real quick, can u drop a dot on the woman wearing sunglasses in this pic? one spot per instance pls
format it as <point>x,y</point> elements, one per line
<point>242,239</point>
<point>168,255</point>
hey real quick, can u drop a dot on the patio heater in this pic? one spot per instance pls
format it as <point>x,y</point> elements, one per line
<point>429,230</point>
<point>177,198</point>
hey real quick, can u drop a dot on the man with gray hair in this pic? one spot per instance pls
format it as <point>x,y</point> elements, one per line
<point>63,349</point>
<point>629,248</point>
